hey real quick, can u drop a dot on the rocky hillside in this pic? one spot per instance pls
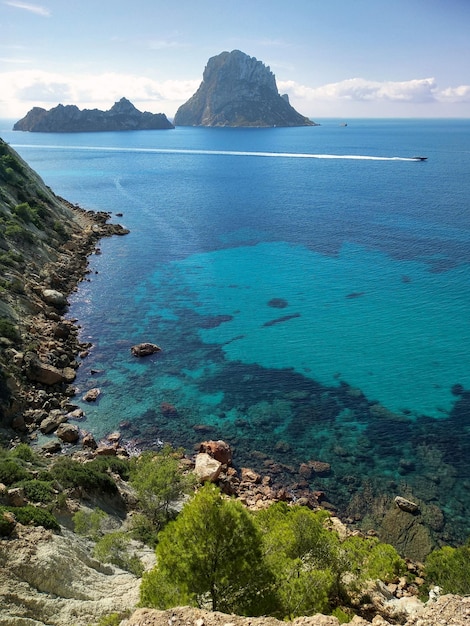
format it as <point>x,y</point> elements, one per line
<point>123,115</point>
<point>44,246</point>
<point>238,90</point>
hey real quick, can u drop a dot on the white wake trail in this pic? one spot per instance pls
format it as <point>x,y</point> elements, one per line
<point>283,155</point>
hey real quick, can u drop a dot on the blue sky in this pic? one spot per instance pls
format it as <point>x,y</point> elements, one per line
<point>335,58</point>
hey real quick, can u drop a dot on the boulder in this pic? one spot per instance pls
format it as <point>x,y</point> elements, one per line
<point>40,372</point>
<point>406,505</point>
<point>207,468</point>
<point>70,433</point>
<point>89,441</point>
<point>50,423</point>
<point>250,476</point>
<point>218,450</point>
<point>17,497</point>
<point>145,349</point>
<point>92,394</point>
<point>56,298</point>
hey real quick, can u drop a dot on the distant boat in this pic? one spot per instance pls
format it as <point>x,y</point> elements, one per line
<point>344,124</point>
<point>419,158</point>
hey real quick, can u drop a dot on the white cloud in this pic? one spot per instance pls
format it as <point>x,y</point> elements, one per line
<point>391,98</point>
<point>456,94</point>
<point>360,89</point>
<point>32,8</point>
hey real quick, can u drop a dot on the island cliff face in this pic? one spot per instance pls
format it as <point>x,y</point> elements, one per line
<point>238,90</point>
<point>123,115</point>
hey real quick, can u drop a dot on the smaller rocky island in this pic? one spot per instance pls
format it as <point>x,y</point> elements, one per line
<point>238,90</point>
<point>123,115</point>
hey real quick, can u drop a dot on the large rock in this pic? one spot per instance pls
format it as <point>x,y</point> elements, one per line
<point>70,119</point>
<point>145,349</point>
<point>54,297</point>
<point>40,372</point>
<point>238,90</point>
<point>207,469</point>
<point>219,450</point>
<point>70,433</point>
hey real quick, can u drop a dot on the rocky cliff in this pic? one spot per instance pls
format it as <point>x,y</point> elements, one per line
<point>238,90</point>
<point>123,115</point>
<point>44,246</point>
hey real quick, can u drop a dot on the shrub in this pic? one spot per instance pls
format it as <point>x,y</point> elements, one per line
<point>114,548</point>
<point>144,530</point>
<point>113,464</point>
<point>159,483</point>
<point>303,556</point>
<point>33,516</point>
<point>113,619</point>
<point>71,474</point>
<point>11,471</point>
<point>368,559</point>
<point>88,523</point>
<point>449,568</point>
<point>24,452</point>
<point>37,490</point>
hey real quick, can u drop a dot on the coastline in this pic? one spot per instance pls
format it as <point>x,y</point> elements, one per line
<point>41,374</point>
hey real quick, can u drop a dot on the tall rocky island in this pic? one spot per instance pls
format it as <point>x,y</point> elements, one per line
<point>238,90</point>
<point>123,115</point>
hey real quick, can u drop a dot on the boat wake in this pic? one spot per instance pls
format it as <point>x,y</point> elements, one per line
<point>282,155</point>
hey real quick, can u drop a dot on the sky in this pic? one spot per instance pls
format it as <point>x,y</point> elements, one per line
<point>334,58</point>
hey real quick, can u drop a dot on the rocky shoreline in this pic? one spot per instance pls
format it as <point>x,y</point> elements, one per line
<point>41,373</point>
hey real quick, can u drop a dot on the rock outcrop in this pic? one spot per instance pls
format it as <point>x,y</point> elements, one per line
<point>53,579</point>
<point>123,115</point>
<point>238,90</point>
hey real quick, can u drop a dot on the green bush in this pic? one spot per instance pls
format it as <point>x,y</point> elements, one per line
<point>26,213</point>
<point>72,474</point>
<point>33,516</point>
<point>24,452</point>
<point>303,557</point>
<point>18,233</point>
<point>112,464</point>
<point>89,524</point>
<point>37,490</point>
<point>113,619</point>
<point>11,472</point>
<point>144,530</point>
<point>365,558</point>
<point>114,548</point>
<point>10,258</point>
<point>449,568</point>
<point>159,483</point>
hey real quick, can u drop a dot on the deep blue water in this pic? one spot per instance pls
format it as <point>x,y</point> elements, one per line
<point>309,287</point>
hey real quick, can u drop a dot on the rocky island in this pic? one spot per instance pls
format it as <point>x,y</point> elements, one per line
<point>123,115</point>
<point>238,90</point>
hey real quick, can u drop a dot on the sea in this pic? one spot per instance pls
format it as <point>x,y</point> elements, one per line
<point>309,289</point>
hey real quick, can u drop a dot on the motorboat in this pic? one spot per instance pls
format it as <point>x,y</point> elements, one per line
<point>419,158</point>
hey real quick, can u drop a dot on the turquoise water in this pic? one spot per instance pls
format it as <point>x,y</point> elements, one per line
<point>309,287</point>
